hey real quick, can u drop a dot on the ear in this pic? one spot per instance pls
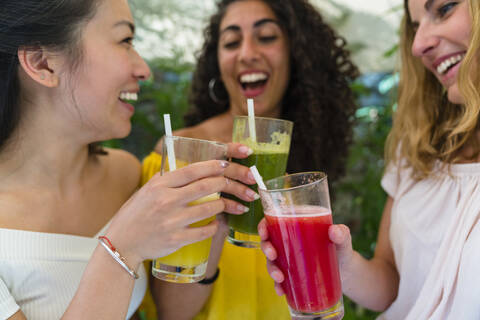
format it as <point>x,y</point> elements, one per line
<point>37,64</point>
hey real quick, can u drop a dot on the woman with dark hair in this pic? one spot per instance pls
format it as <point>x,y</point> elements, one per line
<point>284,56</point>
<point>313,91</point>
<point>426,258</point>
<point>73,234</point>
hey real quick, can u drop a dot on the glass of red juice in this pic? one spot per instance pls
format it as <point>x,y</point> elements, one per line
<point>298,214</point>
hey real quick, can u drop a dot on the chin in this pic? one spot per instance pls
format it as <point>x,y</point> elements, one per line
<point>454,96</point>
<point>123,132</point>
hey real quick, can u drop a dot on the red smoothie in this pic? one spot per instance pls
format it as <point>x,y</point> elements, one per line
<point>306,256</point>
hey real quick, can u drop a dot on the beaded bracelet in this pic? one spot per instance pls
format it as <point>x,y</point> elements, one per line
<point>107,244</point>
<point>212,279</point>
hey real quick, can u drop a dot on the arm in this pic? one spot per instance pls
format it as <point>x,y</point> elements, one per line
<point>153,222</point>
<point>357,273</point>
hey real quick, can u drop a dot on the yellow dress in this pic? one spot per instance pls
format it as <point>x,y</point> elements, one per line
<point>243,290</point>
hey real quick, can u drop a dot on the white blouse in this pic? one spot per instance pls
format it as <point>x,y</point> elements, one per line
<point>40,273</point>
<point>435,237</point>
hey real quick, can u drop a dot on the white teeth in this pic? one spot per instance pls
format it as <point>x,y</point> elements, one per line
<point>443,67</point>
<point>253,77</point>
<point>128,96</point>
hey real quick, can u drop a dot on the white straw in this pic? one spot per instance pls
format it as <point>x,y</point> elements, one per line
<point>258,177</point>
<point>169,141</point>
<point>251,119</point>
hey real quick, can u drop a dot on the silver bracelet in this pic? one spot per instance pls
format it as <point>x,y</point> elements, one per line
<point>116,255</point>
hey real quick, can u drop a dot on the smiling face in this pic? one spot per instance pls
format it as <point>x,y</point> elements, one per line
<point>442,37</point>
<point>253,57</point>
<point>108,73</point>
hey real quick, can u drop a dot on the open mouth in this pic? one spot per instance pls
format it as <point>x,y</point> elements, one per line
<point>449,63</point>
<point>253,80</point>
<point>128,97</point>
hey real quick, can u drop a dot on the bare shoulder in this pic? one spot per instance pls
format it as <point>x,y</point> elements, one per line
<point>124,169</point>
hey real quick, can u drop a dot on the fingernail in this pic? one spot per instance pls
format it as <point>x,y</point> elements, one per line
<point>252,194</point>
<point>242,208</point>
<point>250,176</point>
<point>246,150</point>
<point>224,164</point>
<point>277,275</point>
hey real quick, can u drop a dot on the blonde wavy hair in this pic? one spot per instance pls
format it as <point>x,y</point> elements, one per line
<point>427,127</point>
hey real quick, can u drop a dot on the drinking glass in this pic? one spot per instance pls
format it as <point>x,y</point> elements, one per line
<point>270,155</point>
<point>189,263</point>
<point>298,215</point>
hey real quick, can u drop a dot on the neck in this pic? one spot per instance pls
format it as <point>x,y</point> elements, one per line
<point>44,152</point>
<point>274,113</point>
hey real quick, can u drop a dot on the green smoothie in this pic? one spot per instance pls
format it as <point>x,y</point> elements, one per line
<point>270,165</point>
<point>270,158</point>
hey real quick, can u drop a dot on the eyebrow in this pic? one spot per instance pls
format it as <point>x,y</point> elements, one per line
<point>257,24</point>
<point>428,4</point>
<point>125,23</point>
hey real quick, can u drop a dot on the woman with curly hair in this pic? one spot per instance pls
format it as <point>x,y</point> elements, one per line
<point>426,259</point>
<point>283,55</point>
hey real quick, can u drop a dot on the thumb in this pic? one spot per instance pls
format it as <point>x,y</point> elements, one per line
<point>340,235</point>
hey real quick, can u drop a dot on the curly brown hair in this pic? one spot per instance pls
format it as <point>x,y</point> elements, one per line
<point>318,99</point>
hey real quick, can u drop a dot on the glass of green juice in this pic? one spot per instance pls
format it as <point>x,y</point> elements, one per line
<point>189,263</point>
<point>270,154</point>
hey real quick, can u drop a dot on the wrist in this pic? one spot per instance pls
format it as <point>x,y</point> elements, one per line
<point>210,279</point>
<point>132,260</point>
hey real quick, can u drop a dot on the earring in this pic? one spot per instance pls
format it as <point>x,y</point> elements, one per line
<point>42,76</point>
<point>211,91</point>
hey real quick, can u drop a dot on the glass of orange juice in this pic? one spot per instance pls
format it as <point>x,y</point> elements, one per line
<point>189,263</point>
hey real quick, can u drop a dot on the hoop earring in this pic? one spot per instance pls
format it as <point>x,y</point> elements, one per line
<point>211,91</point>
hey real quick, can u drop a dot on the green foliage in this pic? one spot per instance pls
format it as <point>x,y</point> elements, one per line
<point>359,196</point>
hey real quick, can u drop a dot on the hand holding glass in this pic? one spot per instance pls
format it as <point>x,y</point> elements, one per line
<point>189,263</point>
<point>298,215</point>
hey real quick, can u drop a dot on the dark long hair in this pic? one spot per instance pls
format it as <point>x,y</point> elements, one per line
<point>53,24</point>
<point>318,100</point>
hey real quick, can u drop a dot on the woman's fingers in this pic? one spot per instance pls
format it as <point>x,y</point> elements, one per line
<point>240,190</point>
<point>191,173</point>
<point>279,289</point>
<point>262,229</point>
<point>275,272</point>
<point>268,250</point>
<point>340,235</point>
<point>201,188</point>
<point>240,173</point>
<point>238,150</point>
<point>234,207</point>
<point>200,211</point>
<point>191,235</point>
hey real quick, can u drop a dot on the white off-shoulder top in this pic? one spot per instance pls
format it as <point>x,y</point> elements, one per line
<point>40,273</point>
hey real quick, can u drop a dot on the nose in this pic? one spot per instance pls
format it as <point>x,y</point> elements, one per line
<point>248,51</point>
<point>424,41</point>
<point>141,68</point>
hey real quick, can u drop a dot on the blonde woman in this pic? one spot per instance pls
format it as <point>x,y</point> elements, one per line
<point>426,259</point>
